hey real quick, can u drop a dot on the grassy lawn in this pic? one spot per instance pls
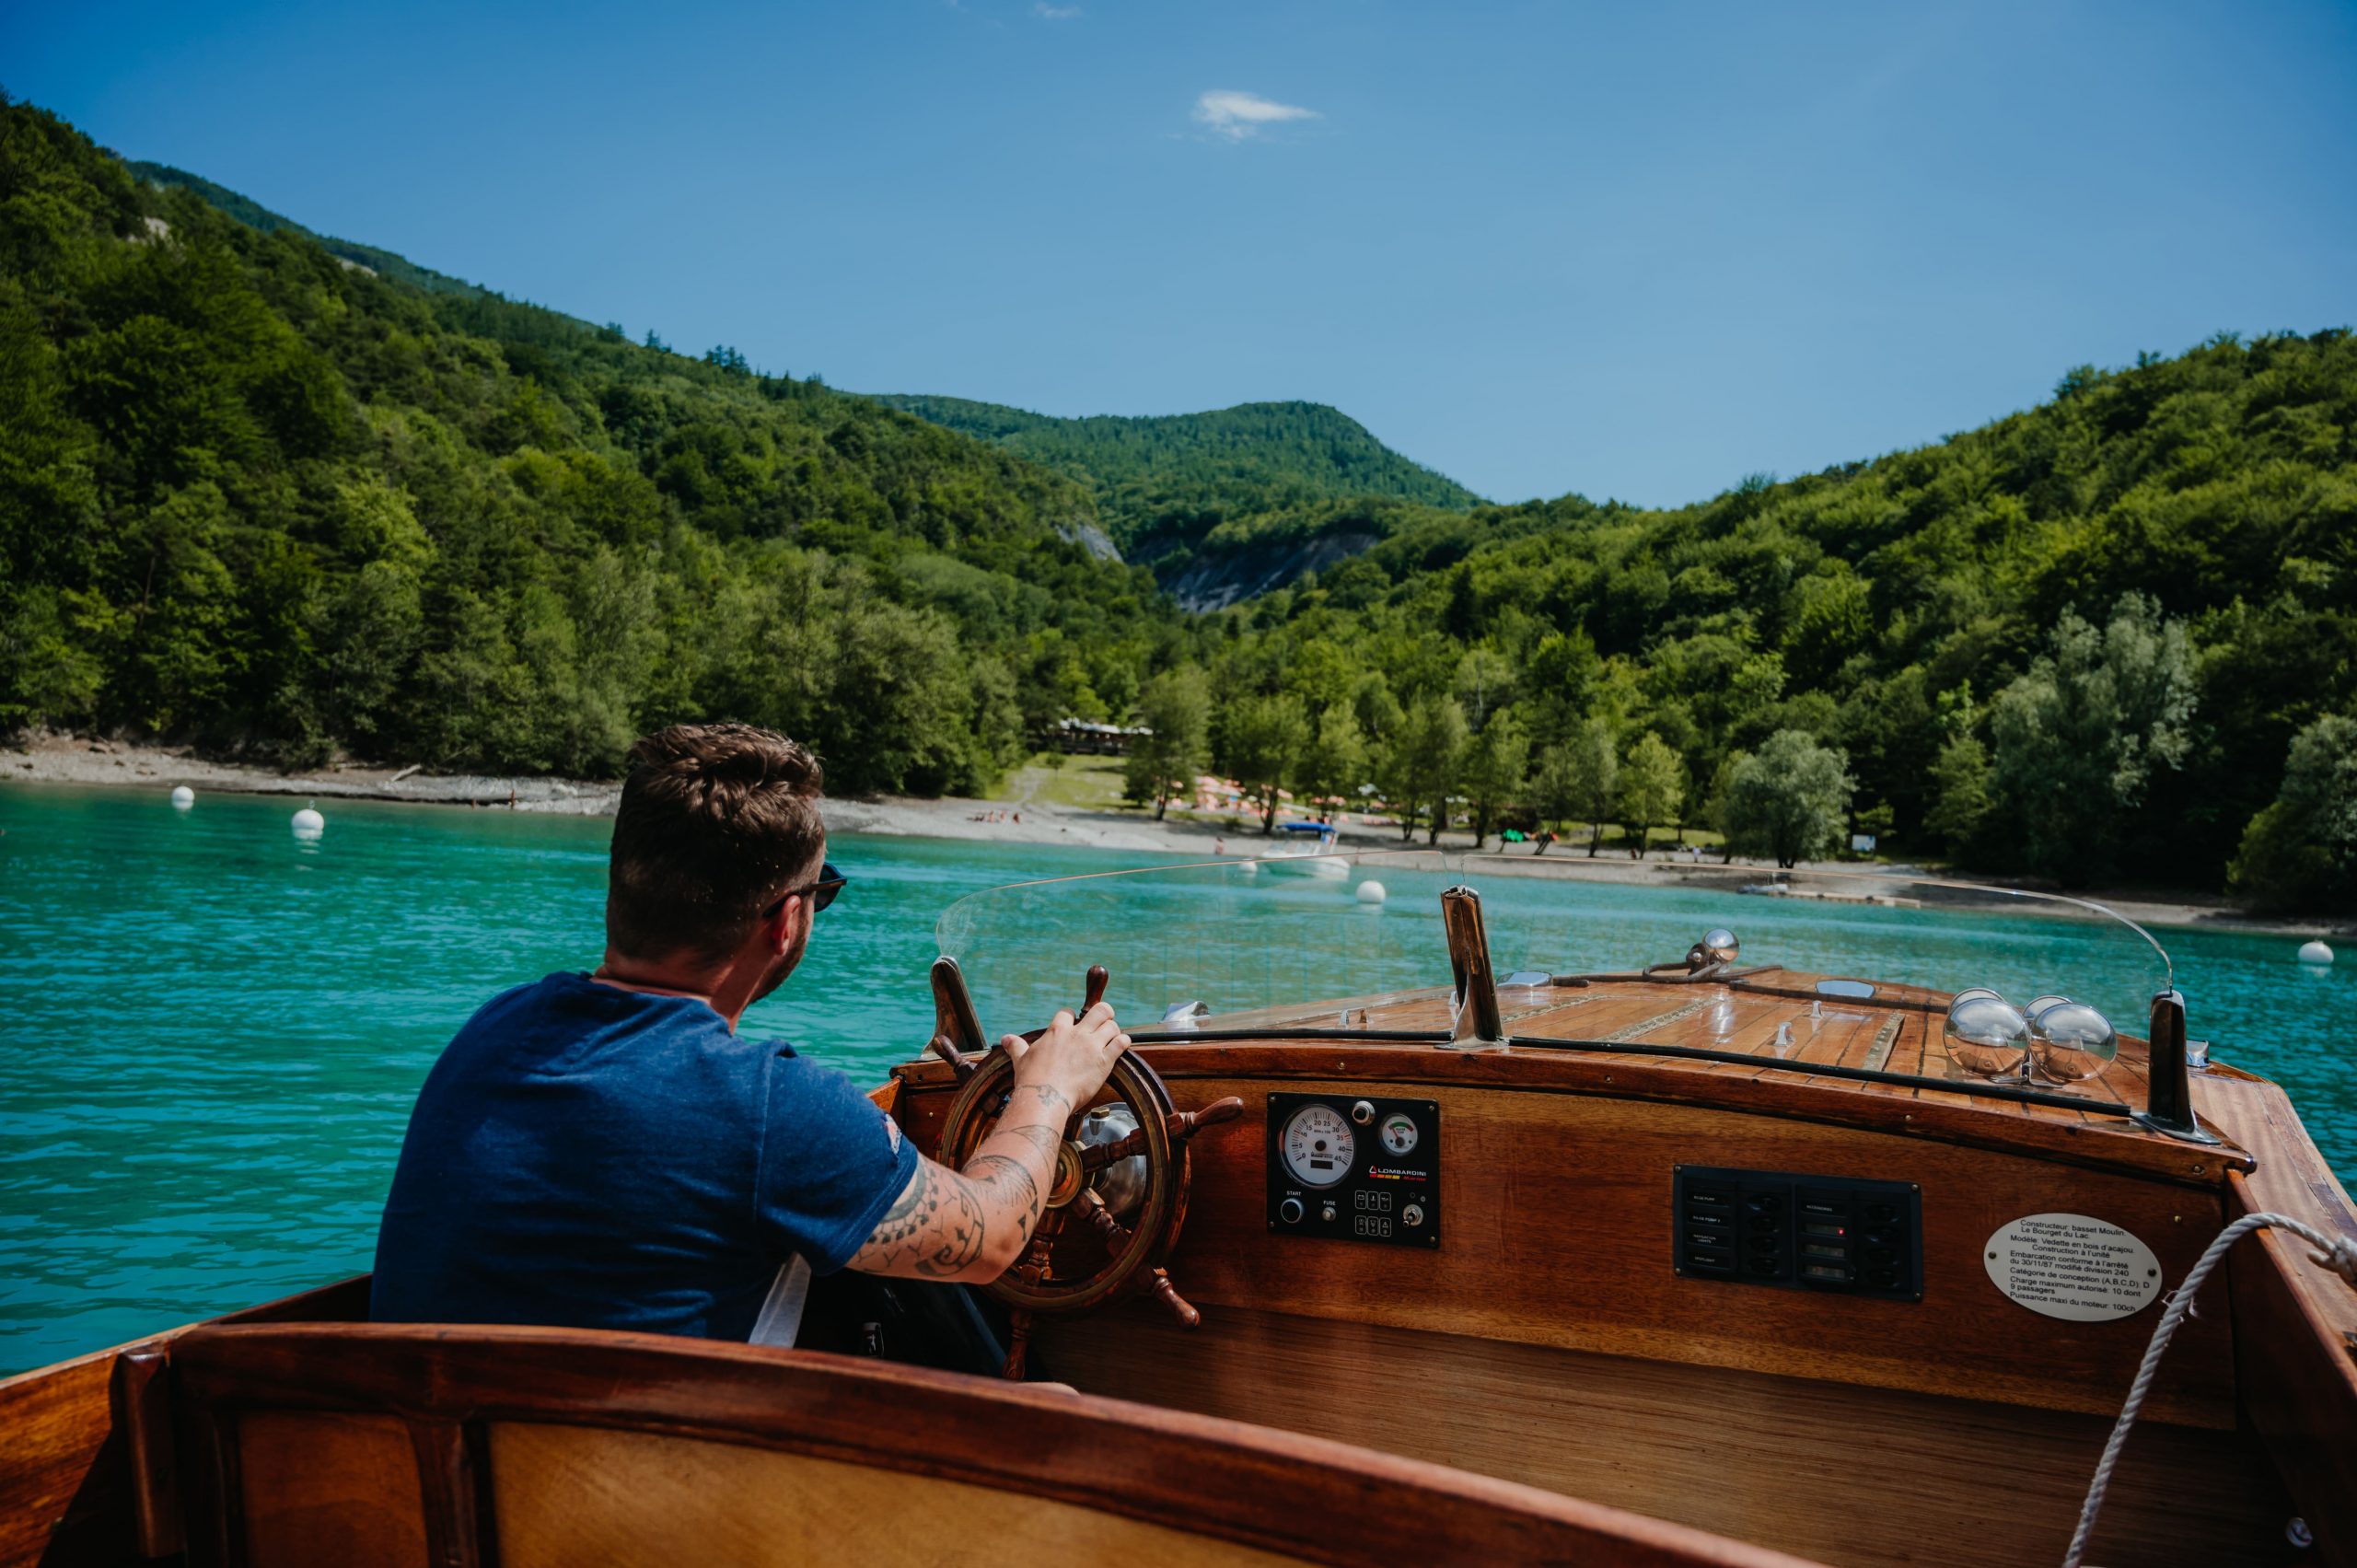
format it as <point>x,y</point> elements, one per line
<point>1617,842</point>
<point>1088,784</point>
<point>1094,783</point>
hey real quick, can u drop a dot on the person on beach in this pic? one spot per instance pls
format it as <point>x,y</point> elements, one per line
<point>605,1151</point>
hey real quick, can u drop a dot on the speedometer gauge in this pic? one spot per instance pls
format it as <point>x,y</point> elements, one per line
<point>1317,1145</point>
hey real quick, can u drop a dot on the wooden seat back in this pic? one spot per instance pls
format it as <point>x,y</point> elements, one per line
<point>468,1448</point>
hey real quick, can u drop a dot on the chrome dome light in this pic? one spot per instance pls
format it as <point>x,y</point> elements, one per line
<point>1716,950</point>
<point>1986,1034</point>
<point>2072,1040</point>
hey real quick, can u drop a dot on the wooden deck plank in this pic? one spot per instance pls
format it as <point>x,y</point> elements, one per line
<point>1857,1042</point>
<point>1761,1038</point>
<point>1844,1046</point>
<point>1741,1018</point>
<point>1903,1055</point>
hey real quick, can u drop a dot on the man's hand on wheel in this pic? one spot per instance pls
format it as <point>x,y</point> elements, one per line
<point>971,1224</point>
<point>1070,1060</point>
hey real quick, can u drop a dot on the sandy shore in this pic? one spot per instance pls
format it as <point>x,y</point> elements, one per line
<point>48,759</point>
<point>52,759</point>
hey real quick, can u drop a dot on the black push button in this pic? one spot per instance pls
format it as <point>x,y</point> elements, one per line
<point>1799,1232</point>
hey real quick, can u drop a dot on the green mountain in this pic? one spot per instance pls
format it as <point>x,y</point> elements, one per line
<point>256,497</point>
<point>1225,504</point>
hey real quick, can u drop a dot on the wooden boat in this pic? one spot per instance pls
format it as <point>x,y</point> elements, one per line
<point>1707,1264</point>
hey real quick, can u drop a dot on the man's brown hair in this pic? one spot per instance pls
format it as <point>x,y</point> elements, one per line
<point>717,820</point>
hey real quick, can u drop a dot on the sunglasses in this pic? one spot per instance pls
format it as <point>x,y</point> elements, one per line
<point>822,890</point>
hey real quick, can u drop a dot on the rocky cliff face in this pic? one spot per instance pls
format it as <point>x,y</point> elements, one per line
<point>1218,578</point>
<point>1089,536</point>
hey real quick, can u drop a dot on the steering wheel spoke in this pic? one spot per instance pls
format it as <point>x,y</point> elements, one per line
<point>1039,1259</point>
<point>1097,1156</point>
<point>1180,1307</point>
<point>1117,1236</point>
<point>1185,1124</point>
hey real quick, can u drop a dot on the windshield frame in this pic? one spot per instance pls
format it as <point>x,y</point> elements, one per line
<point>1295,1020</point>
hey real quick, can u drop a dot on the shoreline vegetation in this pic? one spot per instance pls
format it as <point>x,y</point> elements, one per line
<point>1031,808</point>
<point>283,505</point>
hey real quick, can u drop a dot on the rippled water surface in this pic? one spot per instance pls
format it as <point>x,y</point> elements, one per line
<point>210,1032</point>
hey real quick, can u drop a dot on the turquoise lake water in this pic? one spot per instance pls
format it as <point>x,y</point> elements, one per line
<point>210,1032</point>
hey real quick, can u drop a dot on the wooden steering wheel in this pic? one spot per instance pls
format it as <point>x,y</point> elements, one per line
<point>1122,1169</point>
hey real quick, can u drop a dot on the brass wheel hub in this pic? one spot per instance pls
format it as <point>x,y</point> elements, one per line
<point>1070,1178</point>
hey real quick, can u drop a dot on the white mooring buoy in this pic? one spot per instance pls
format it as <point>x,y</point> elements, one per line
<point>1372,892</point>
<point>182,797</point>
<point>2314,953</point>
<point>310,824</point>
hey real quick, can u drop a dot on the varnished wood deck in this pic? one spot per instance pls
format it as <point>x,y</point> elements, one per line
<point>1590,1035</point>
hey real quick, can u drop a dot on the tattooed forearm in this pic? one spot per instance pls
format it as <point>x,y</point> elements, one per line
<point>1003,1170</point>
<point>972,1223</point>
<point>1044,1139</point>
<point>958,1239</point>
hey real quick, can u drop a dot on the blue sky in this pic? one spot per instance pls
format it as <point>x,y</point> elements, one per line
<point>1630,250</point>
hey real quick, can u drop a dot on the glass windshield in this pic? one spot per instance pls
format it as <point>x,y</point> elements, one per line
<point>1280,939</point>
<point>1823,960</point>
<point>1887,927</point>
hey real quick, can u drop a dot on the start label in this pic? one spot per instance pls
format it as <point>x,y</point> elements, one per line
<point>2072,1266</point>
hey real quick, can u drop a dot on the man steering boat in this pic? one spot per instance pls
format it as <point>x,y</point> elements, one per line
<point>606,1150</point>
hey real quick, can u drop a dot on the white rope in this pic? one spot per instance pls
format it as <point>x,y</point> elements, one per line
<point>2336,1253</point>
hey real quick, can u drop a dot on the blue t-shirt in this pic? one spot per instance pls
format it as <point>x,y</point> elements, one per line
<point>584,1156</point>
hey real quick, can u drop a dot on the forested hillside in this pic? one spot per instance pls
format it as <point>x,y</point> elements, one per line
<point>258,497</point>
<point>2083,642</point>
<point>1178,489</point>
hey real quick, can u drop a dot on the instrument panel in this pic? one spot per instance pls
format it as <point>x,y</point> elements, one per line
<point>1354,1167</point>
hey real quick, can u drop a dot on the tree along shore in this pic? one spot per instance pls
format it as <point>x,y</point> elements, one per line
<point>62,759</point>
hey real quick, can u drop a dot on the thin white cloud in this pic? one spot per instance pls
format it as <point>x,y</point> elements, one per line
<point>1055,13</point>
<point>1239,115</point>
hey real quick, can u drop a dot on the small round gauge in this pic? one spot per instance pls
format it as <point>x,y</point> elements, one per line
<point>1399,1132</point>
<point>1316,1146</point>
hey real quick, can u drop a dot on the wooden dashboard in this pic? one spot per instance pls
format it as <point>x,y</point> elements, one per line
<point>1557,1185</point>
<point>1548,1339</point>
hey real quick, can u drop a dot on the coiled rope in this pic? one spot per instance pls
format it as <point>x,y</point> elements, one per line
<point>2336,1253</point>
